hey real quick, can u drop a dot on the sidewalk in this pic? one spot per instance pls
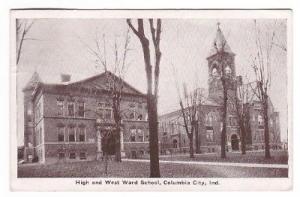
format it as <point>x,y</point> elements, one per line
<point>248,165</point>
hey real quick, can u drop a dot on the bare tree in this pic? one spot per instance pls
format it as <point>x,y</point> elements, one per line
<point>190,107</point>
<point>152,84</point>
<point>114,80</point>
<point>190,113</point>
<point>23,27</point>
<point>261,64</point>
<point>242,98</point>
<point>225,79</point>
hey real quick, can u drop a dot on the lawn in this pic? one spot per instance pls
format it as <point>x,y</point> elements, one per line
<point>141,169</point>
<point>278,157</point>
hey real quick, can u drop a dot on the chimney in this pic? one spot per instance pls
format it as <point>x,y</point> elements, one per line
<point>65,78</point>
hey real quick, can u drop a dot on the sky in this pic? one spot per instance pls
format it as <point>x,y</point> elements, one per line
<point>59,46</point>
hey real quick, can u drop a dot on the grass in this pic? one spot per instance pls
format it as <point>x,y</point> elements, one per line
<point>278,157</point>
<point>141,170</point>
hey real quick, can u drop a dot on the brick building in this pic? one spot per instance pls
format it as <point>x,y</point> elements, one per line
<point>64,121</point>
<point>173,137</point>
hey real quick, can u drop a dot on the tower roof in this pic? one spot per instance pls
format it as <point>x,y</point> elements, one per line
<point>34,80</point>
<point>219,44</point>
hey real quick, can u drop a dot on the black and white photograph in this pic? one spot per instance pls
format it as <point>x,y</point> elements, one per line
<point>152,98</point>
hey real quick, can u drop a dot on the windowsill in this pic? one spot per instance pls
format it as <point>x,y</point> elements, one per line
<point>135,142</point>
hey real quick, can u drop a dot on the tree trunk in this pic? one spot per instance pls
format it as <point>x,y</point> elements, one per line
<point>197,138</point>
<point>223,133</point>
<point>117,120</point>
<point>151,98</point>
<point>106,163</point>
<point>266,124</point>
<point>191,145</point>
<point>118,143</point>
<point>153,137</point>
<point>19,49</point>
<point>243,136</point>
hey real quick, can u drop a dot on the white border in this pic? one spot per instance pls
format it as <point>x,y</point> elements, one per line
<point>50,184</point>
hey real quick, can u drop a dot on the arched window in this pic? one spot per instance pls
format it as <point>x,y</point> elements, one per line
<point>209,119</point>
<point>215,72</point>
<point>140,117</point>
<point>227,70</point>
<point>260,120</point>
<point>131,115</point>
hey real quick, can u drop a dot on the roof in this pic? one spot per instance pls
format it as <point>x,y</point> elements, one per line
<point>97,82</point>
<point>219,43</point>
<point>177,112</point>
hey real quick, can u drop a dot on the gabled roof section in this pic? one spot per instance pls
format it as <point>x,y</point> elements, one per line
<point>33,82</point>
<point>219,43</point>
<point>211,102</point>
<point>253,93</point>
<point>100,82</point>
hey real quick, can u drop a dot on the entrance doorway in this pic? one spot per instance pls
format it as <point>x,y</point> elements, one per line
<point>108,142</point>
<point>175,143</point>
<point>234,142</point>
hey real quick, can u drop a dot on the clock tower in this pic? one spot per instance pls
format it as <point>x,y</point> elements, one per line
<point>220,63</point>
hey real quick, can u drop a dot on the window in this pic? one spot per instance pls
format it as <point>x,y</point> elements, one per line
<point>81,109</point>
<point>233,121</point>
<point>140,135</point>
<point>132,135</point>
<point>60,105</point>
<point>104,110</point>
<point>260,120</point>
<point>108,114</point>
<point>38,112</point>
<point>227,70</point>
<point>210,135</point>
<point>81,134</point>
<point>82,156</point>
<point>61,155</point>
<point>37,135</point>
<point>140,117</point>
<point>61,134</point>
<point>41,135</point>
<point>271,122</point>
<point>72,155</point>
<point>29,113</point>
<point>131,116</point>
<point>209,119</point>
<point>215,72</point>
<point>71,134</point>
<point>71,109</point>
